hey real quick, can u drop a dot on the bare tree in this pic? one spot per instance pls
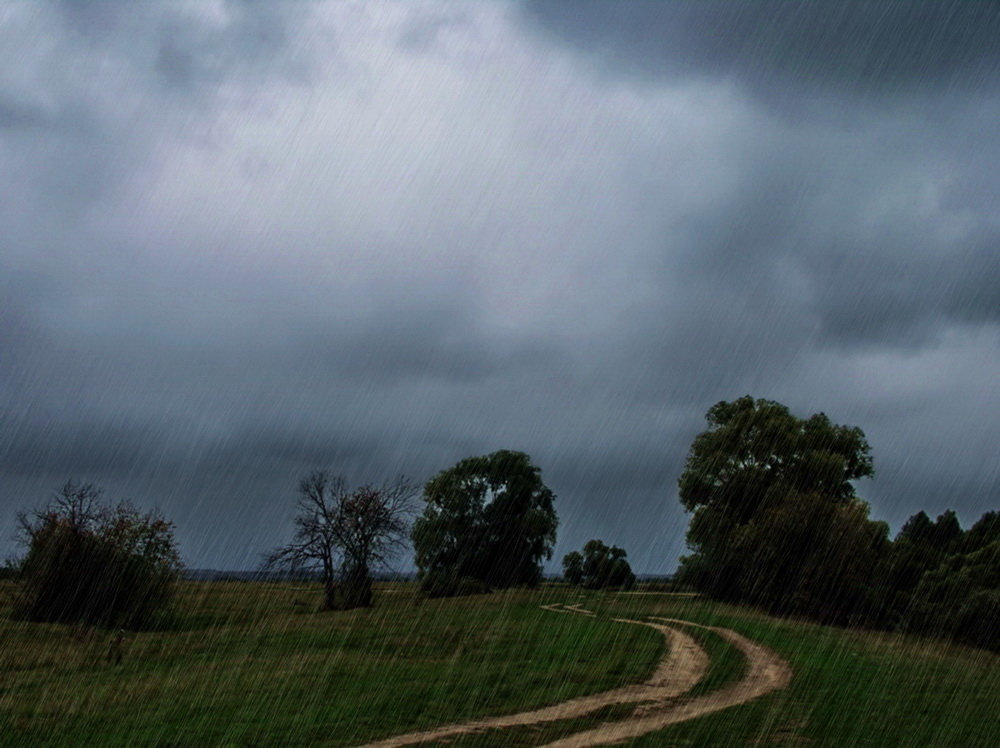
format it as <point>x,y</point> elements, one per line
<point>77,505</point>
<point>345,533</point>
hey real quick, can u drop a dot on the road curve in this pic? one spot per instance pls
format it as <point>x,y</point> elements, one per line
<point>684,664</point>
<point>766,672</point>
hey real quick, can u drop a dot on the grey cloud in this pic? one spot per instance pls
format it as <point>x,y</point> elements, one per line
<point>531,256</point>
<point>17,115</point>
<point>857,45</point>
<point>53,446</point>
<point>191,47</point>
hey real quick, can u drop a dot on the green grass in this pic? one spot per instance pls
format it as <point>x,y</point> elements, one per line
<point>245,664</point>
<point>849,687</point>
<point>726,663</point>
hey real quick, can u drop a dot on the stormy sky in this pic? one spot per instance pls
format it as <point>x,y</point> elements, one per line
<point>240,241</point>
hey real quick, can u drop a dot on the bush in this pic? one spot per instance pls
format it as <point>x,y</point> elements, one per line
<point>90,562</point>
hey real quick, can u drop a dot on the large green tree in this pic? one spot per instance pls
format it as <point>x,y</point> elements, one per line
<point>754,450</point>
<point>489,521</point>
<point>742,482</point>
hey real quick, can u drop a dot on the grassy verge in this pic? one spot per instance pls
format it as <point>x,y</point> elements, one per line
<point>254,664</point>
<point>247,664</point>
<point>849,687</point>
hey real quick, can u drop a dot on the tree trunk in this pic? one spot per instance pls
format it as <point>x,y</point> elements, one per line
<point>357,587</point>
<point>329,589</point>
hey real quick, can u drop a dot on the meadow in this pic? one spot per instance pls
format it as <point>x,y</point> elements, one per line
<point>248,663</point>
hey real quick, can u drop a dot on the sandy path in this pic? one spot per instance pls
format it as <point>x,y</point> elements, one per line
<point>766,672</point>
<point>684,664</point>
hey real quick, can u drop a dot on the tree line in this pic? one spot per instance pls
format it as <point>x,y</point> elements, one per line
<point>776,522</point>
<point>488,523</point>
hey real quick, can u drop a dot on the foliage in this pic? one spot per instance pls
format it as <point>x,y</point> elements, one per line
<point>774,509</point>
<point>598,567</point>
<point>961,598</point>
<point>808,556</point>
<point>489,519</point>
<point>944,535</point>
<point>982,533</point>
<point>10,569</point>
<point>755,450</point>
<point>344,533</point>
<point>573,567</point>
<point>94,563</point>
<point>776,523</point>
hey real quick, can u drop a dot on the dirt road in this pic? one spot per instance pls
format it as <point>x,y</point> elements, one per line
<point>766,672</point>
<point>684,665</point>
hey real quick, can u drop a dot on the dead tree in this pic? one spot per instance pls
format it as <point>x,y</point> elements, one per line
<point>344,533</point>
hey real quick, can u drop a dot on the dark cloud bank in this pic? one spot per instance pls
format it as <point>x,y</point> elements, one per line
<point>239,241</point>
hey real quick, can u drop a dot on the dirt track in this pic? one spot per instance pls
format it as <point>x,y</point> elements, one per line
<point>766,672</point>
<point>684,665</point>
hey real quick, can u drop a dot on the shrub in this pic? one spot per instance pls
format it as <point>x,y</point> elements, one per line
<point>90,562</point>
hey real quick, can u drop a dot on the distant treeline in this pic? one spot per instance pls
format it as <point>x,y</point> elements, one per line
<point>776,523</point>
<point>263,575</point>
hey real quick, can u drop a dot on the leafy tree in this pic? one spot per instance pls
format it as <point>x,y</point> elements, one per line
<point>921,545</point>
<point>806,555</point>
<point>343,533</point>
<point>918,530</point>
<point>961,598</point>
<point>754,458</point>
<point>92,562</point>
<point>756,449</point>
<point>573,567</point>
<point>983,533</point>
<point>489,521</point>
<point>599,567</point>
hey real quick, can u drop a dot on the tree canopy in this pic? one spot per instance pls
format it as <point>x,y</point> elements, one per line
<point>89,561</point>
<point>598,567</point>
<point>771,494</point>
<point>489,521</point>
<point>776,522</point>
<point>756,450</point>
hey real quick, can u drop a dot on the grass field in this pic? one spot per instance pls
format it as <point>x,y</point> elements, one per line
<point>247,665</point>
<point>849,687</point>
<point>254,664</point>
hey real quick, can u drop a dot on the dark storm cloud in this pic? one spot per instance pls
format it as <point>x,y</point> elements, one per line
<point>241,241</point>
<point>53,446</point>
<point>853,45</point>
